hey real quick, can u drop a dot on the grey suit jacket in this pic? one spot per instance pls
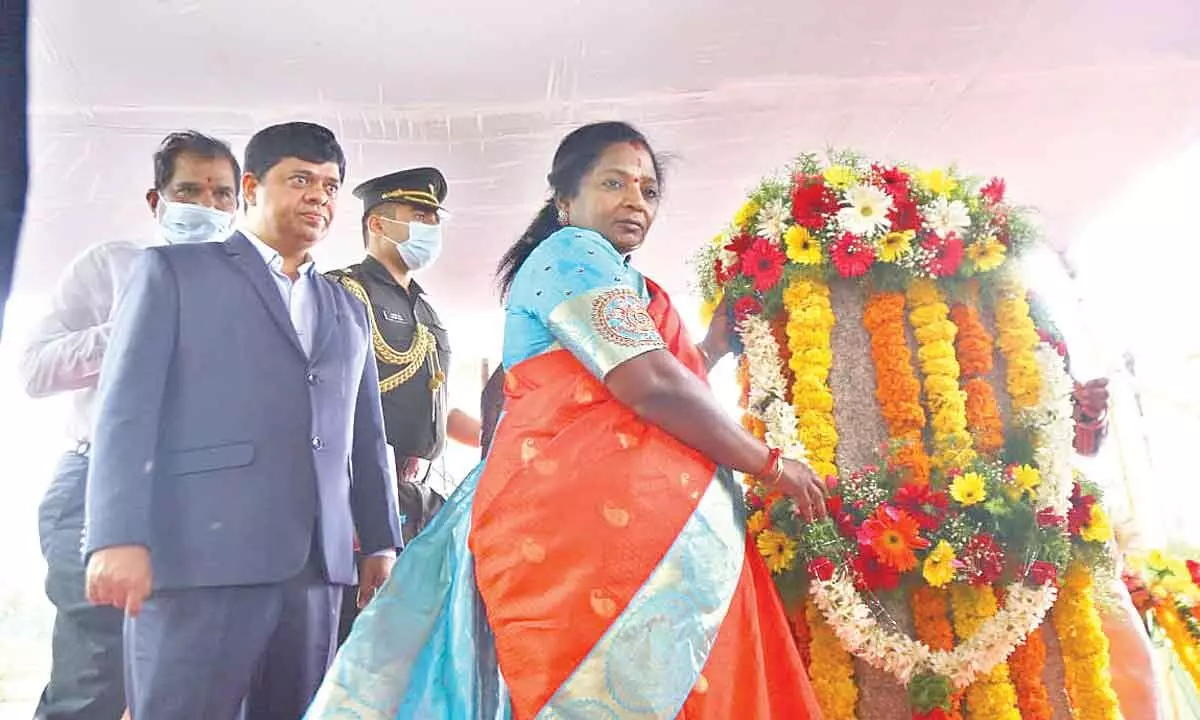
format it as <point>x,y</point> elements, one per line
<point>218,444</point>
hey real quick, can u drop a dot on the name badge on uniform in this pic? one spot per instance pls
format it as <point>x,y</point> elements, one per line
<point>394,317</point>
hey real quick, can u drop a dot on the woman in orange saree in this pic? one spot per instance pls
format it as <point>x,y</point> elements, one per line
<point>596,565</point>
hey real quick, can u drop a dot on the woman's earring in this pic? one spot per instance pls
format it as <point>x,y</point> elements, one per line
<point>563,218</point>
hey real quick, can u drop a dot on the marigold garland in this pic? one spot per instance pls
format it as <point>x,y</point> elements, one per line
<point>974,346</point>
<point>1084,648</point>
<point>935,335</point>
<point>931,622</point>
<point>1181,640</point>
<point>896,386</point>
<point>1026,665</point>
<point>992,696</point>
<point>831,670</point>
<point>800,633</point>
<point>1017,337</point>
<point>809,327</point>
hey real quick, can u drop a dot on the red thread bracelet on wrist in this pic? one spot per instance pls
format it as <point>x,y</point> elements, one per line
<point>772,465</point>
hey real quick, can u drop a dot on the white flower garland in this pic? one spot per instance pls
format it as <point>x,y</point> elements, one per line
<point>855,625</point>
<point>768,388</point>
<point>1053,424</point>
<point>848,615</point>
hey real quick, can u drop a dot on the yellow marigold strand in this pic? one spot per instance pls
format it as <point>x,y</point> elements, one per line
<point>1026,665</point>
<point>929,315</point>
<point>931,621</point>
<point>896,386</point>
<point>974,345</point>
<point>809,327</point>
<point>1017,338</point>
<point>1084,648</point>
<point>831,670</point>
<point>992,696</point>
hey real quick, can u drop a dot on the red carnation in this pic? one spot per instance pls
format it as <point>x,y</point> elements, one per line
<point>763,263</point>
<point>993,192</point>
<point>821,568</point>
<point>1080,513</point>
<point>852,257</point>
<point>904,213</point>
<point>746,306</point>
<point>947,255</point>
<point>812,202</point>
<point>983,559</point>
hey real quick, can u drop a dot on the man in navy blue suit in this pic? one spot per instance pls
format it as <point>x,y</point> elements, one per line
<point>238,447</point>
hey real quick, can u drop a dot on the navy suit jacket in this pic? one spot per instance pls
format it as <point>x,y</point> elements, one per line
<point>219,445</point>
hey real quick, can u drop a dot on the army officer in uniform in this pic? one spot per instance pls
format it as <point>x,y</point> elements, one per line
<point>401,226</point>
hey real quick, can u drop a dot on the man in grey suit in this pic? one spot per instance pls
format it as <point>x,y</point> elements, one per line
<point>238,448</point>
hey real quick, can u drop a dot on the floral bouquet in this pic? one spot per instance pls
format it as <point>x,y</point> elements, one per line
<point>970,512</point>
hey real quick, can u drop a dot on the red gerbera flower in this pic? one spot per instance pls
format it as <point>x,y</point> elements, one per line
<point>894,535</point>
<point>983,559</point>
<point>812,202</point>
<point>947,255</point>
<point>993,192</point>
<point>746,306</point>
<point>763,263</point>
<point>851,256</point>
<point>870,574</point>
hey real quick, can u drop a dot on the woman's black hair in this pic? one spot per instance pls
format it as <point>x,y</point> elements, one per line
<point>576,156</point>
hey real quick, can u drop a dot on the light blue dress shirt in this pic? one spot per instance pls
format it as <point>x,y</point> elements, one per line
<point>299,295</point>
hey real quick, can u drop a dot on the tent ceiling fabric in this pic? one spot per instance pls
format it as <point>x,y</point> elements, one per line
<point>1068,100</point>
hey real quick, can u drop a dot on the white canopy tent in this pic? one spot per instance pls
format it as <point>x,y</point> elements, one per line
<point>1091,111</point>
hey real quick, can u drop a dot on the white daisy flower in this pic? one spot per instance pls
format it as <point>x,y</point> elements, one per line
<point>867,212</point>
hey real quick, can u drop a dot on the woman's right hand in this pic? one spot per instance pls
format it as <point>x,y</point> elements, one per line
<point>799,482</point>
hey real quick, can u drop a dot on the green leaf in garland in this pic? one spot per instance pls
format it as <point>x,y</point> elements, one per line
<point>929,691</point>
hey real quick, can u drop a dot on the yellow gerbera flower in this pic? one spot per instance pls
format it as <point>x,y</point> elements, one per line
<point>936,181</point>
<point>895,245</point>
<point>746,214</point>
<point>777,549</point>
<point>839,176</point>
<point>1026,478</point>
<point>968,488</point>
<point>802,247</point>
<point>938,569</point>
<point>1098,529</point>
<point>987,254</point>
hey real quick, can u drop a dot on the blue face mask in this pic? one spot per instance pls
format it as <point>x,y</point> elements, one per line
<point>423,246</point>
<point>182,223</point>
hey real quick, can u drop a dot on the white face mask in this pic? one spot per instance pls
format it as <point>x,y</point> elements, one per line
<point>182,223</point>
<point>423,246</point>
